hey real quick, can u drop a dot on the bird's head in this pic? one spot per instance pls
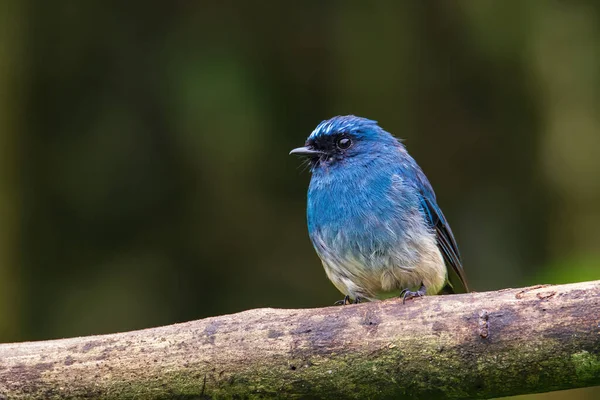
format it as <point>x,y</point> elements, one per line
<point>346,139</point>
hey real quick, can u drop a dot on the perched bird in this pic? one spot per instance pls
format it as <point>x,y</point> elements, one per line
<point>372,215</point>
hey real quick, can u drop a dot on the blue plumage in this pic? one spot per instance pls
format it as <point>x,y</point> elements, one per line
<point>372,214</point>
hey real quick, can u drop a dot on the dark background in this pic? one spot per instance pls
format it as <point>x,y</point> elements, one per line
<point>144,168</point>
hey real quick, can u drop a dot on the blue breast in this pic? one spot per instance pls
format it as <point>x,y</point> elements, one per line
<point>360,211</point>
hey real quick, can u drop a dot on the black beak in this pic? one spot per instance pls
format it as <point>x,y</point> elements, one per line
<point>306,151</point>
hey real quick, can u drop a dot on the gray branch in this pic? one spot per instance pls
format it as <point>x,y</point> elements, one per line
<point>477,345</point>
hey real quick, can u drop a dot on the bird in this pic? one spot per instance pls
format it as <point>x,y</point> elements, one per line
<point>373,217</point>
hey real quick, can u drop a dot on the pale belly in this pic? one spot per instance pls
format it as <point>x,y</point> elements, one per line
<point>386,275</point>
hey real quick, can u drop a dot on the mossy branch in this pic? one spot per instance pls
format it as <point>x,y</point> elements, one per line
<point>477,345</point>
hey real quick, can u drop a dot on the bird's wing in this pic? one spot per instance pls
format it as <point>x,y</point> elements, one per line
<point>445,238</point>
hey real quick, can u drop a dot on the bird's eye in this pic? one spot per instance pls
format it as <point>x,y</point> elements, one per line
<point>344,143</point>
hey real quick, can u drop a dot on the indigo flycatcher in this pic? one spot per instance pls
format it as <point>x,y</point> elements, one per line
<point>372,214</point>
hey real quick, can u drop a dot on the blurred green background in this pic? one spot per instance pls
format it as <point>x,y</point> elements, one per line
<point>144,168</point>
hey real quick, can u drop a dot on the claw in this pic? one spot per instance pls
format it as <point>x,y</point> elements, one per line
<point>347,301</point>
<point>343,302</point>
<point>409,294</point>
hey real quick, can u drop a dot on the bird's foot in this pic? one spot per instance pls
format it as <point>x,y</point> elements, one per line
<point>343,302</point>
<point>409,294</point>
<point>346,301</point>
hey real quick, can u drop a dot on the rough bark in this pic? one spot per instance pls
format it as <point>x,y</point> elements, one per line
<point>477,345</point>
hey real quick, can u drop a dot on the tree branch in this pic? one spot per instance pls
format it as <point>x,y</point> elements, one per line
<point>476,345</point>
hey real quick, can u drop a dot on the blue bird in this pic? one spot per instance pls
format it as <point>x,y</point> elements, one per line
<point>373,217</point>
